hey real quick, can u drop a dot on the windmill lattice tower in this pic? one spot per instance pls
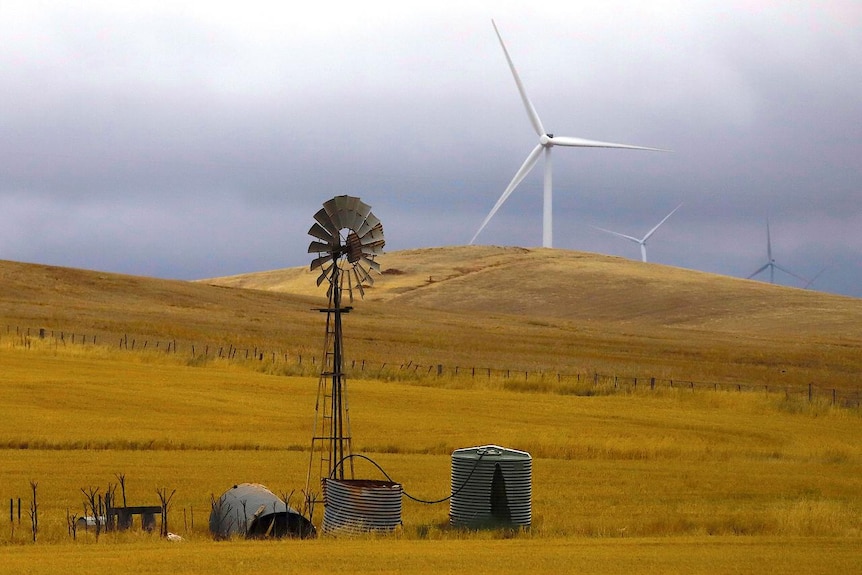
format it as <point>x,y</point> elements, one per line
<point>345,263</point>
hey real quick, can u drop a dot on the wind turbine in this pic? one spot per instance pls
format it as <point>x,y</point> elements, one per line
<point>546,142</point>
<point>770,262</point>
<point>642,241</point>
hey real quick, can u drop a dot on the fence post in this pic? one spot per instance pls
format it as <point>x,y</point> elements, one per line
<point>652,383</point>
<point>810,390</point>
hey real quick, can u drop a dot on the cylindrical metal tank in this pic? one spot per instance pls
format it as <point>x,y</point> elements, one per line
<point>491,487</point>
<point>252,510</point>
<point>354,506</point>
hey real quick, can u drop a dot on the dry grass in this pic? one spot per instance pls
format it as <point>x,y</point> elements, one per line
<point>502,308</point>
<point>629,480</point>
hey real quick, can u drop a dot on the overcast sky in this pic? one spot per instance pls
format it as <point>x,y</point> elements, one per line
<point>197,139</point>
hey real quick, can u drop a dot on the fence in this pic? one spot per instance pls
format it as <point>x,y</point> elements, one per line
<point>300,362</point>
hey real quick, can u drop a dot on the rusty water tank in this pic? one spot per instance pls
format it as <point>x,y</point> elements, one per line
<point>353,506</point>
<point>491,487</point>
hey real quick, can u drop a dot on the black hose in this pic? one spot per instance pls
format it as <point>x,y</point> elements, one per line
<point>416,499</point>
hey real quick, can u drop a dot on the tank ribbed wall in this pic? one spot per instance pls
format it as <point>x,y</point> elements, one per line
<point>491,487</point>
<point>354,506</point>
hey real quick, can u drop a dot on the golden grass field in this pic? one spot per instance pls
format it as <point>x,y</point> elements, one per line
<point>625,480</point>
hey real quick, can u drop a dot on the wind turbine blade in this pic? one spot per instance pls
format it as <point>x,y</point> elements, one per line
<point>812,280</point>
<point>788,272</point>
<point>531,111</point>
<point>583,143</point>
<point>652,231</point>
<point>519,176</point>
<point>635,240</point>
<point>768,241</point>
<point>760,269</point>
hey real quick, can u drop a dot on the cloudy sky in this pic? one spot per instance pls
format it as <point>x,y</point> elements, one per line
<point>196,139</point>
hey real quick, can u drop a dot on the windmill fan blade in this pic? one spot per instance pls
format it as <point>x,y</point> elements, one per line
<point>331,209</point>
<point>346,214</point>
<point>583,143</point>
<point>319,247</point>
<point>370,223</point>
<point>353,221</point>
<point>359,284</point>
<point>361,211</point>
<point>317,262</point>
<point>324,220</point>
<point>519,176</point>
<point>373,237</point>
<point>320,233</point>
<point>324,275</point>
<point>371,263</point>
<point>349,286</point>
<point>531,111</point>
<point>363,275</point>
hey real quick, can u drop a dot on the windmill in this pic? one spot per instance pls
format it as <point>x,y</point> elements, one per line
<point>546,142</point>
<point>770,262</point>
<point>344,262</point>
<point>642,241</point>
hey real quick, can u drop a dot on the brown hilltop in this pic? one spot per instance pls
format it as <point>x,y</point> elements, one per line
<point>480,306</point>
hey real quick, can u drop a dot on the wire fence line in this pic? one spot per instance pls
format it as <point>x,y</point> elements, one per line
<point>300,362</point>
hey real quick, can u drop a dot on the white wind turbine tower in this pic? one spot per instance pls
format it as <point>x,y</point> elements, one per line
<point>546,142</point>
<point>642,241</point>
<point>770,263</point>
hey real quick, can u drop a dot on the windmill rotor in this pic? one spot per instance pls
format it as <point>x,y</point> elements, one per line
<point>348,238</point>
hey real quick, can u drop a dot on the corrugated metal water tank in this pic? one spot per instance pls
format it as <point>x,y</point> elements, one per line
<point>491,487</point>
<point>354,506</point>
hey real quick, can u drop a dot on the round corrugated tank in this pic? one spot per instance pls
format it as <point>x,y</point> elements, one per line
<point>252,510</point>
<point>491,487</point>
<point>360,505</point>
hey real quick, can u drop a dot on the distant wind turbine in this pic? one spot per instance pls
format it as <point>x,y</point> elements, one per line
<point>770,262</point>
<point>546,142</point>
<point>812,280</point>
<point>642,241</point>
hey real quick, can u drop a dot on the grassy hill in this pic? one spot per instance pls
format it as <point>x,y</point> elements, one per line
<point>487,307</point>
<point>624,481</point>
<point>600,312</point>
